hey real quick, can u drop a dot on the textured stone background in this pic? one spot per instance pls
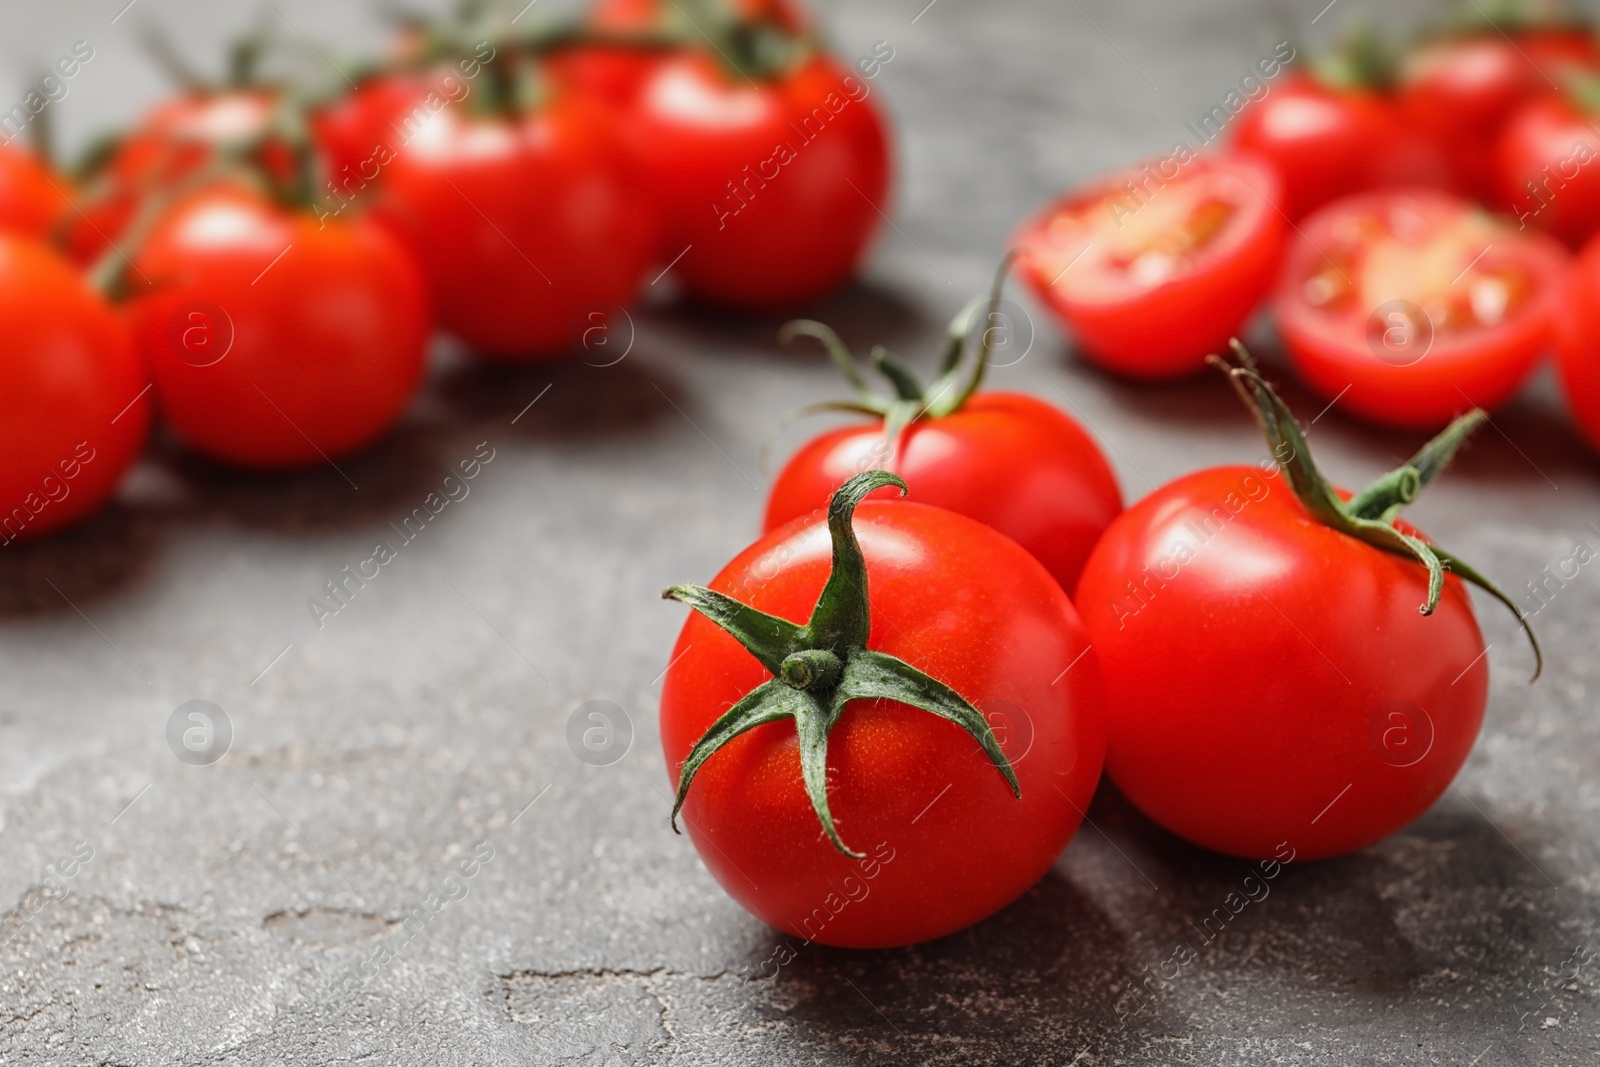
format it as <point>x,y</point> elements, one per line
<point>224,905</point>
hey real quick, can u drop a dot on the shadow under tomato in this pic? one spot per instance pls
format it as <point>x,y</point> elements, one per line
<point>1046,967</point>
<point>1449,909</point>
<point>563,400</point>
<point>107,552</point>
<point>396,472</point>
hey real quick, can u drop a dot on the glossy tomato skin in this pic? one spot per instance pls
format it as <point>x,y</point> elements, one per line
<point>1005,459</point>
<point>1481,366</point>
<point>1545,165</point>
<point>1578,343</point>
<point>1459,92</point>
<point>1165,330</point>
<point>70,419</point>
<point>773,189</point>
<point>1326,143</point>
<point>32,200</point>
<point>278,342</point>
<point>1269,679</point>
<point>962,603</point>
<point>172,143</point>
<point>524,226</point>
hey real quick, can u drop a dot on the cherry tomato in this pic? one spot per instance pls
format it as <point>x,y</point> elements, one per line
<point>1412,305</point>
<point>173,142</point>
<point>1578,342</point>
<point>1272,685</point>
<point>71,417</point>
<point>1154,268</point>
<point>769,191</point>
<point>1459,92</point>
<point>32,200</point>
<point>278,341</point>
<point>617,73</point>
<point>1008,460</point>
<point>1328,142</point>
<point>942,838</point>
<point>524,225</point>
<point>1543,163</point>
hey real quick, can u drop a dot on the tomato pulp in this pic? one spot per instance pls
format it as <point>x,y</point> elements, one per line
<point>1155,268</point>
<point>1413,305</point>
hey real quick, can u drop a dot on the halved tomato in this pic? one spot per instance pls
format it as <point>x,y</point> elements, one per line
<point>1412,305</point>
<point>1155,267</point>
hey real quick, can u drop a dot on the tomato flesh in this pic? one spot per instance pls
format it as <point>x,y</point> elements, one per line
<point>1412,306</point>
<point>1155,268</point>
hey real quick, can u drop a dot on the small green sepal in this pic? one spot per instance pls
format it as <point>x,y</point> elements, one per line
<point>820,667</point>
<point>1370,514</point>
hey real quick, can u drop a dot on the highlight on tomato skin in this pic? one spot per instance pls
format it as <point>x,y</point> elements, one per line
<point>1153,268</point>
<point>1412,305</point>
<point>912,792</point>
<point>1321,675</point>
<point>1544,164</point>
<point>1459,91</point>
<point>1326,142</point>
<point>277,340</point>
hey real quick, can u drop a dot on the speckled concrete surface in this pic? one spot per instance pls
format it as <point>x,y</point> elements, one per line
<point>304,901</point>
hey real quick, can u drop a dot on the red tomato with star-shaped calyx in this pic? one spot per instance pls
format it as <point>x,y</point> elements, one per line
<point>884,727</point>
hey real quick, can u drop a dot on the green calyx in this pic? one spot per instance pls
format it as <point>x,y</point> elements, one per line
<point>910,400</point>
<point>1365,59</point>
<point>1370,514</point>
<point>820,667</point>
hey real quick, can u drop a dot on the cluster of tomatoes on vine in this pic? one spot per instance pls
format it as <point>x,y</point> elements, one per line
<point>886,718</point>
<point>260,264</point>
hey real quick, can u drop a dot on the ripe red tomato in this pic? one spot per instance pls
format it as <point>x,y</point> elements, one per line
<point>1008,460</point>
<point>71,417</point>
<point>1328,142</point>
<point>1544,166</point>
<point>769,191</point>
<point>32,200</point>
<point>1459,91</point>
<point>943,840</point>
<point>1269,678</point>
<point>1005,459</point>
<point>523,225</point>
<point>278,341</point>
<point>174,141</point>
<point>1578,342</point>
<point>1413,305</point>
<point>1174,257</point>
<point>617,72</point>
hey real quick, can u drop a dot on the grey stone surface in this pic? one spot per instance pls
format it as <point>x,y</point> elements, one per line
<point>226,908</point>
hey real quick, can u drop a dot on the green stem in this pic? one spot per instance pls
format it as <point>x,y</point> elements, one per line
<point>819,668</point>
<point>1370,514</point>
